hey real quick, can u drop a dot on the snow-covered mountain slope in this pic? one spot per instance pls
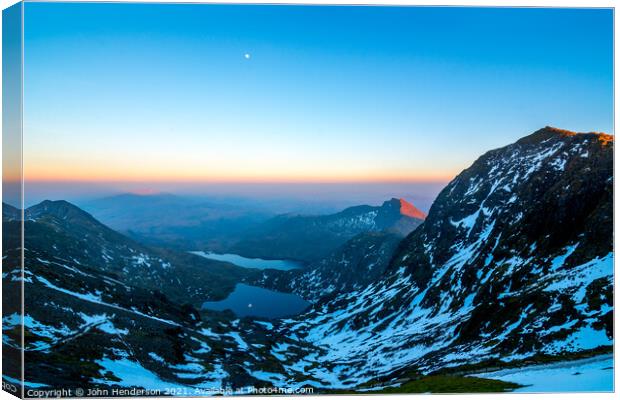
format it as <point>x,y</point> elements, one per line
<point>513,261</point>
<point>312,238</point>
<point>99,332</point>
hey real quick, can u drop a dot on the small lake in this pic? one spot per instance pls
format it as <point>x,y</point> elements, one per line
<point>594,374</point>
<point>254,301</point>
<point>245,262</point>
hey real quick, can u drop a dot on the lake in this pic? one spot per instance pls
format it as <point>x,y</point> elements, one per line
<point>245,262</point>
<point>593,374</point>
<point>254,301</point>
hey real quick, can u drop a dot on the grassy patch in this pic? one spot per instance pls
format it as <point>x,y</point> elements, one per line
<point>452,384</point>
<point>443,384</point>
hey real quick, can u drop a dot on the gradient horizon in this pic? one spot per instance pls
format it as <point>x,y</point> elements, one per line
<point>131,96</point>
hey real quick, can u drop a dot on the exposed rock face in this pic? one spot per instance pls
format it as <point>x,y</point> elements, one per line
<point>410,210</point>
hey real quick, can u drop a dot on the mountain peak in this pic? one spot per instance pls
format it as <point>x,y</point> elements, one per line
<point>410,210</point>
<point>557,131</point>
<point>404,208</point>
<point>57,208</point>
<point>10,213</point>
<point>549,132</point>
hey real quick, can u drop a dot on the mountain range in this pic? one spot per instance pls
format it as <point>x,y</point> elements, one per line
<point>513,265</point>
<point>180,222</point>
<point>312,238</point>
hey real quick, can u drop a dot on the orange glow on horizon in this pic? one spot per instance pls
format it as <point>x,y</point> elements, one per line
<point>184,167</point>
<point>98,171</point>
<point>245,179</point>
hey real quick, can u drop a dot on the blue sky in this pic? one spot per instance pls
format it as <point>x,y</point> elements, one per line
<point>11,104</point>
<point>143,92</point>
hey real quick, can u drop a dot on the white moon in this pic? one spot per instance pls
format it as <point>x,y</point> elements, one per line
<point>247,56</point>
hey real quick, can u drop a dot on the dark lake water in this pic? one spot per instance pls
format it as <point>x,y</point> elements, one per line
<point>258,263</point>
<point>254,301</point>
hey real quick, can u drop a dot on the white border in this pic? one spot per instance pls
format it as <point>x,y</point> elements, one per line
<point>476,3</point>
<point>436,3</point>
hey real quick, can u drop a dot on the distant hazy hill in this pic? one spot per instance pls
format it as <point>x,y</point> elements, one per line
<point>311,238</point>
<point>185,223</point>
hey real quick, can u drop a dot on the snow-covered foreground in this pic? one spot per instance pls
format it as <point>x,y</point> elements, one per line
<point>594,374</point>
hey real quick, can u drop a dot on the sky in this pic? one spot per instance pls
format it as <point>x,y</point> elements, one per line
<point>144,95</point>
<point>11,110</point>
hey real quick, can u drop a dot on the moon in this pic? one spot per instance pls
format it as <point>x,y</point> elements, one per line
<point>247,56</point>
